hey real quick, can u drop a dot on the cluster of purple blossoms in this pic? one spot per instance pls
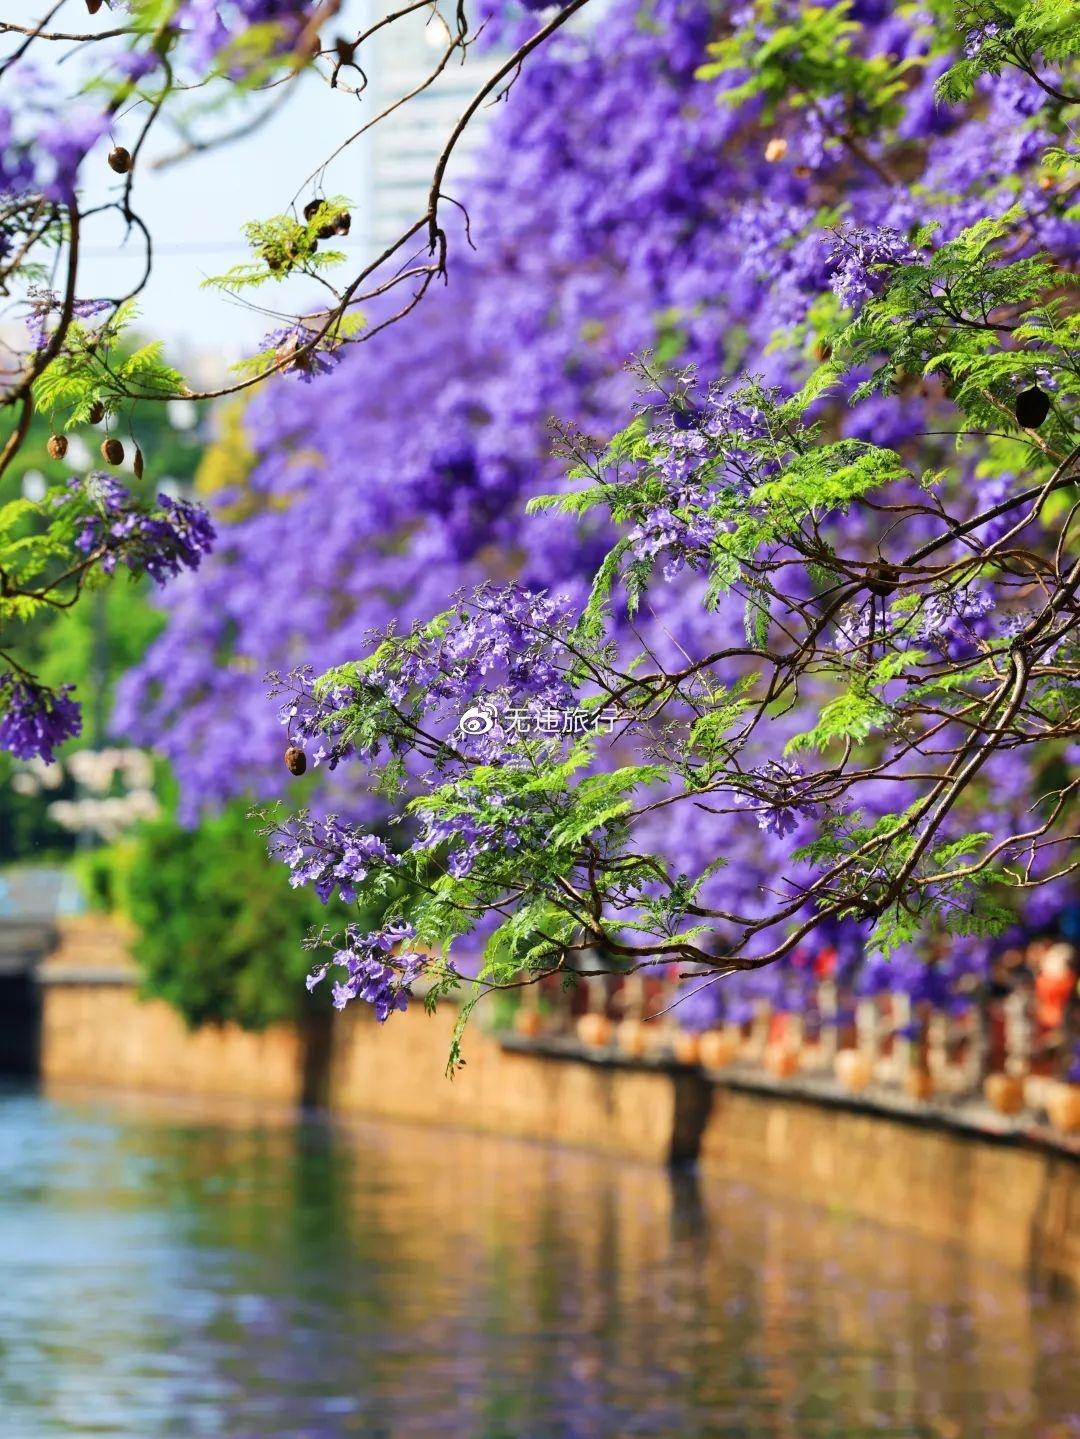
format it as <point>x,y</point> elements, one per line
<point>957,621</point>
<point>159,543</point>
<point>469,838</point>
<point>379,971</point>
<point>685,538</point>
<point>314,722</point>
<point>211,25</point>
<point>703,451</point>
<point>978,36</point>
<point>501,651</point>
<point>860,259</point>
<point>36,720</point>
<point>771,795</point>
<point>46,162</point>
<point>329,855</point>
<point>46,305</point>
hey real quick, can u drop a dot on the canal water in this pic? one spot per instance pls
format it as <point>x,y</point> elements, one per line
<point>173,1270</point>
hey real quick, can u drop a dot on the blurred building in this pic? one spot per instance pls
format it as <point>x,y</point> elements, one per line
<point>404,148</point>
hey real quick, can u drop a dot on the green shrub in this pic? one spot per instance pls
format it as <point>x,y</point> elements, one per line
<point>220,932</point>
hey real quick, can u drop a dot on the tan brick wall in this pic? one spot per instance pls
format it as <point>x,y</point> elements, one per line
<point>397,1070</point>
<point>1021,1206</point>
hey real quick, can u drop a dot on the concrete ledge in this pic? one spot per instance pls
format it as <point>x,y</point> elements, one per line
<point>91,974</point>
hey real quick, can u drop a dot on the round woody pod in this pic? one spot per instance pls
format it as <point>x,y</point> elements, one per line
<point>112,451</point>
<point>97,413</point>
<point>120,159</point>
<point>311,209</point>
<point>57,446</point>
<point>295,760</point>
<point>881,578</point>
<point>285,354</point>
<point>1032,407</point>
<point>137,463</point>
<point>343,223</point>
<point>94,6</point>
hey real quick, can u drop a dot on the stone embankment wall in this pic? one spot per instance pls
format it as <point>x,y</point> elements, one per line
<point>1003,1194</point>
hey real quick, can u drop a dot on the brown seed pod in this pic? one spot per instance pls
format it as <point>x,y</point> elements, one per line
<point>311,209</point>
<point>94,6</point>
<point>295,760</point>
<point>119,159</point>
<point>1032,407</point>
<point>881,578</point>
<point>57,446</point>
<point>112,451</point>
<point>292,356</point>
<point>137,463</point>
<point>285,354</point>
<point>97,413</point>
<point>343,223</point>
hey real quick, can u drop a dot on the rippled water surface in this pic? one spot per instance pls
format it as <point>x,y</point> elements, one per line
<point>179,1271</point>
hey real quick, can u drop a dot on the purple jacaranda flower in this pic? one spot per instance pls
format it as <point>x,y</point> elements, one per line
<point>36,720</point>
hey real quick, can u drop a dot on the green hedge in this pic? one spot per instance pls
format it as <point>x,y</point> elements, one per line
<point>220,932</point>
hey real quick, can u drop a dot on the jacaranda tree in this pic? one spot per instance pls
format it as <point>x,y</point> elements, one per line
<point>794,652</point>
<point>132,70</point>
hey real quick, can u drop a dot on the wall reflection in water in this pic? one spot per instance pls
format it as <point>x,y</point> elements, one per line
<point>173,1271</point>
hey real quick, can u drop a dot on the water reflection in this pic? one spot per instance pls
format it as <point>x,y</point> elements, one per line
<point>171,1271</point>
